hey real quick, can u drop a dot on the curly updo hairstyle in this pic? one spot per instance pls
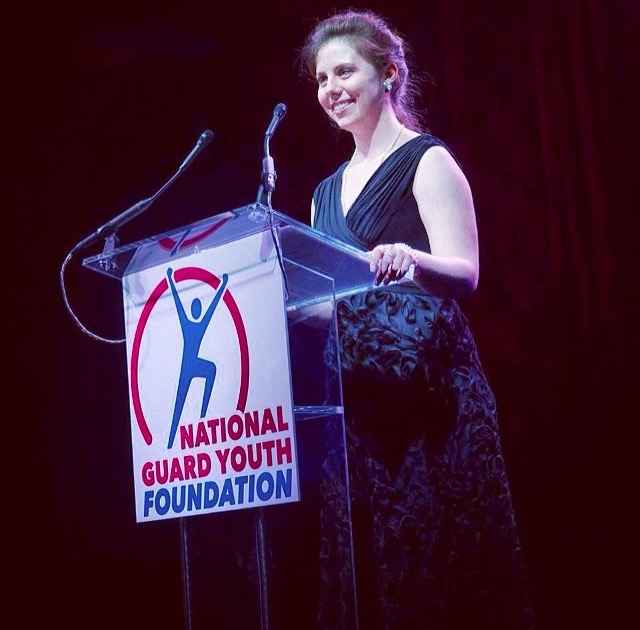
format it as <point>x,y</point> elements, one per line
<point>376,42</point>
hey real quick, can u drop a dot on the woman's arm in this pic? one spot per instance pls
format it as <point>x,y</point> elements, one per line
<point>176,298</point>
<point>446,208</point>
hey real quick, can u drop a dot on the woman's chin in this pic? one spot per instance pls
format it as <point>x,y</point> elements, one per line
<point>345,123</point>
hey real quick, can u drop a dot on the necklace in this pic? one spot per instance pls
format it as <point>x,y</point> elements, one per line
<point>383,155</point>
<point>376,162</point>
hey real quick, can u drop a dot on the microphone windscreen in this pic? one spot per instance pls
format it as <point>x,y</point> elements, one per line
<point>206,136</point>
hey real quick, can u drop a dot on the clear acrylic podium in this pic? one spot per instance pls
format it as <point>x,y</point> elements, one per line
<point>285,566</point>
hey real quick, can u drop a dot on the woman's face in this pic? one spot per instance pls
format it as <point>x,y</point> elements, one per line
<point>350,88</point>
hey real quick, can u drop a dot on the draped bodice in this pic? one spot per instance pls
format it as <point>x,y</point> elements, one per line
<point>385,211</point>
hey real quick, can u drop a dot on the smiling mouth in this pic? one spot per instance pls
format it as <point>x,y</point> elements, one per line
<point>341,106</point>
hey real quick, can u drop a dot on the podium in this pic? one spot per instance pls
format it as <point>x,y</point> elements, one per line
<point>287,565</point>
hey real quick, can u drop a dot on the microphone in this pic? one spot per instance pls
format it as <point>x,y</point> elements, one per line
<point>138,208</point>
<point>268,185</point>
<point>110,228</point>
<point>269,175</point>
<point>203,141</point>
<point>278,114</point>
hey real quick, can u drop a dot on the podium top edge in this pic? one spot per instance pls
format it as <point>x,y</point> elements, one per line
<point>256,214</point>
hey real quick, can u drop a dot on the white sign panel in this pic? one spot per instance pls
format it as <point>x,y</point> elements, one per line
<point>210,391</point>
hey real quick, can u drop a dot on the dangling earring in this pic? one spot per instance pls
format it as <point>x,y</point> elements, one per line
<point>387,85</point>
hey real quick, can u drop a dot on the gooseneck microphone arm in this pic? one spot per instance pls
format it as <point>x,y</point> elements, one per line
<point>109,229</point>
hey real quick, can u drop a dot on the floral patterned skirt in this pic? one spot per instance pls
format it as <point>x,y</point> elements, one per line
<point>434,534</point>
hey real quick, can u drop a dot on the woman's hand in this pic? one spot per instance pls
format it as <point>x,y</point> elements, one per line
<point>390,262</point>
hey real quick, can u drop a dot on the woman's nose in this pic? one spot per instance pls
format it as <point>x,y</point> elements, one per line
<point>332,86</point>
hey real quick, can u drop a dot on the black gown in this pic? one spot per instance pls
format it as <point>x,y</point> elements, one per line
<point>434,534</point>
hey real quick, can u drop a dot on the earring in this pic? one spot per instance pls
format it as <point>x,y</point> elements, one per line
<point>387,85</point>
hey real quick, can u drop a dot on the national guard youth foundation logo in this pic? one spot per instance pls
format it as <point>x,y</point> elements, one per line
<point>210,393</point>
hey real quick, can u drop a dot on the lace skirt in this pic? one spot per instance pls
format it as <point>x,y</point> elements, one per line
<point>434,534</point>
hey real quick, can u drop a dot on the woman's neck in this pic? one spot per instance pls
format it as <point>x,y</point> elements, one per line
<point>373,140</point>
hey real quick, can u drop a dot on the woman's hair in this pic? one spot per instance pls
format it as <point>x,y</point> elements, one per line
<point>379,45</point>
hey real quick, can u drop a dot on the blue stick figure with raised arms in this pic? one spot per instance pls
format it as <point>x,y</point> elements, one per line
<point>192,365</point>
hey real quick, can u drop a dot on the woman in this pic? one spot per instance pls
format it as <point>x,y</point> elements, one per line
<point>434,533</point>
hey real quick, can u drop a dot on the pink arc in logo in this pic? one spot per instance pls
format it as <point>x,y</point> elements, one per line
<point>201,275</point>
<point>169,243</point>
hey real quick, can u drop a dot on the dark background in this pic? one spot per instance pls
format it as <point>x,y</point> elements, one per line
<point>534,98</point>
